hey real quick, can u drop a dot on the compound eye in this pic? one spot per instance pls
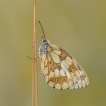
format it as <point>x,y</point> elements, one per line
<point>44,40</point>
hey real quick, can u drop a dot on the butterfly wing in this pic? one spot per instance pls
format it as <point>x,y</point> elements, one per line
<point>61,70</point>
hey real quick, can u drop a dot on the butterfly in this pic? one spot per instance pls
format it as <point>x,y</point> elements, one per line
<point>59,68</point>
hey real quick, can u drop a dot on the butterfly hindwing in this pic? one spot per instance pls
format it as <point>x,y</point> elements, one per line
<point>61,70</point>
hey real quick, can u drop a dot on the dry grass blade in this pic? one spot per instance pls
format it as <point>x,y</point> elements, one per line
<point>34,69</point>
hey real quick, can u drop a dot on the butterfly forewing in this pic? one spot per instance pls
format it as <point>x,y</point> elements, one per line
<point>60,69</point>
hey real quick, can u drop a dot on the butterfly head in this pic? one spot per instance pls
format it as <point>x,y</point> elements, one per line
<point>43,49</point>
<point>45,44</point>
<point>44,41</point>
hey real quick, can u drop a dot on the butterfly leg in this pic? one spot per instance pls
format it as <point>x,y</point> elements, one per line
<point>32,57</point>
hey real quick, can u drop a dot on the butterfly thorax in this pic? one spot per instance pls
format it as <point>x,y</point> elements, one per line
<point>43,49</point>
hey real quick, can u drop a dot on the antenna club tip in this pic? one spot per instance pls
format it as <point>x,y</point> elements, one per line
<point>42,28</point>
<point>39,21</point>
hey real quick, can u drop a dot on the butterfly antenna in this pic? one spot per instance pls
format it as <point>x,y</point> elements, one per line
<point>41,28</point>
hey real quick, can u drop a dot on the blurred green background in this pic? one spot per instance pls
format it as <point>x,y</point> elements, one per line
<point>79,26</point>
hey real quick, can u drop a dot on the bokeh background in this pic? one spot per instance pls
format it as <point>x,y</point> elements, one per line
<point>79,26</point>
